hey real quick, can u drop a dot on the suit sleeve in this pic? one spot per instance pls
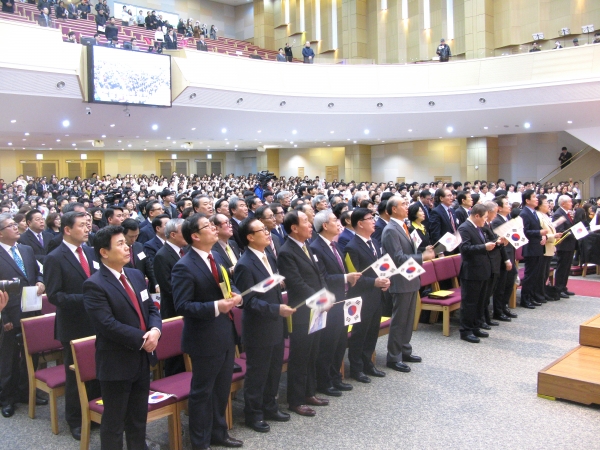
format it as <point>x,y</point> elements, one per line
<point>244,280</point>
<point>53,279</point>
<point>435,226</point>
<point>104,321</point>
<point>527,223</point>
<point>467,247</point>
<point>184,295</point>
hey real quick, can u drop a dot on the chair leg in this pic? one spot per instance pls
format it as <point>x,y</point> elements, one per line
<point>32,395</point>
<point>433,318</point>
<point>584,271</point>
<point>53,412</point>
<point>229,413</point>
<point>512,303</point>
<point>446,321</point>
<point>85,435</point>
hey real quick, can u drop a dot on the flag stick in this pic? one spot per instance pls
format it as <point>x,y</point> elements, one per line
<point>562,238</point>
<point>246,292</point>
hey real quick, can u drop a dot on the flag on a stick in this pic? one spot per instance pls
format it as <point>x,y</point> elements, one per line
<point>410,269</point>
<point>352,308</point>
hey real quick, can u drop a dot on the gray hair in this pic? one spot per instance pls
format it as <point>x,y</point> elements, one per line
<point>317,199</point>
<point>172,226</point>
<point>4,217</point>
<point>320,218</point>
<point>562,199</point>
<point>490,205</point>
<point>358,195</point>
<point>281,195</point>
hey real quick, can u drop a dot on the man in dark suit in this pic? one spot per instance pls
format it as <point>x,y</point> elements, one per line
<point>262,328</point>
<point>35,236</point>
<point>267,217</point>
<point>65,270</point>
<point>201,44</point>
<point>297,263</point>
<point>153,209</point>
<point>137,257</point>
<point>442,219</point>
<point>16,261</point>
<point>57,240</point>
<point>278,214</point>
<point>425,203</point>
<point>44,19</point>
<point>127,327</point>
<point>208,332</point>
<point>397,243</point>
<point>171,40</point>
<point>348,233</point>
<point>465,202</point>
<point>564,158</point>
<point>532,285</point>
<point>566,249</point>
<point>381,222</point>
<point>156,243</point>
<point>238,211</point>
<point>226,247</point>
<point>475,272</point>
<point>334,338</point>
<point>506,279</point>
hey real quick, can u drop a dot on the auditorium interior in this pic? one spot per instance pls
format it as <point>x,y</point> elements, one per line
<point>376,105</point>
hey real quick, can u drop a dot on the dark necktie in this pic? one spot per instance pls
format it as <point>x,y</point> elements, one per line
<point>481,234</point>
<point>370,244</point>
<point>134,301</point>
<point>84,263</point>
<point>131,261</point>
<point>181,253</point>
<point>452,220</point>
<point>213,268</point>
<point>337,256</point>
<point>41,239</point>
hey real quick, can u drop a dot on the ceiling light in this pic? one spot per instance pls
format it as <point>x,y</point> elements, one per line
<point>193,128</point>
<point>295,145</point>
<point>472,136</point>
<point>367,131</point>
<point>485,128</point>
<point>355,142</point>
<point>236,146</point>
<point>60,85</point>
<point>223,130</point>
<point>73,145</point>
<point>431,103</point>
<point>569,121</point>
<point>192,96</point>
<point>410,130</point>
<point>449,129</point>
<point>331,132</point>
<point>293,131</point>
<point>128,145</point>
<point>380,105</point>
<point>482,100</point>
<point>26,134</point>
<point>174,142</point>
<point>112,125</point>
<point>168,137</point>
<point>24,139</point>
<point>155,127</point>
<point>240,100</point>
<point>119,141</point>
<point>527,125</point>
<point>103,135</point>
<point>13,121</point>
<point>43,144</point>
<point>330,105</point>
<point>282,103</point>
<point>259,131</point>
<point>58,140</point>
<point>10,143</point>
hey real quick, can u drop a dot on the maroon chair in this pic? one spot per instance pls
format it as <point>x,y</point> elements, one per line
<point>457,262</point>
<point>84,358</point>
<point>47,307</point>
<point>38,338</point>
<point>237,383</point>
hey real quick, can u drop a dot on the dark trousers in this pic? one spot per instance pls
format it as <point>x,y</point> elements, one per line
<point>72,403</point>
<point>363,339</point>
<point>504,289</point>
<point>301,375</point>
<point>334,340</point>
<point>471,306</point>
<point>563,267</point>
<point>489,290</point>
<point>211,383</point>
<point>261,385</point>
<point>125,409</point>
<point>532,285</point>
<point>13,369</point>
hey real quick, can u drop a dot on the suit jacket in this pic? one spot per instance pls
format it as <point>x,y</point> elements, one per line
<point>532,227</point>
<point>152,246</point>
<point>498,255</point>
<point>144,265</point>
<point>330,268</point>
<point>277,246</point>
<point>236,237</point>
<point>302,277</point>
<point>461,214</point>
<point>64,278</point>
<point>439,223</point>
<point>401,248</point>
<point>223,254</point>
<point>343,239</point>
<point>45,21</point>
<point>118,334</point>
<point>362,257</point>
<point>570,242</point>
<point>40,252</point>
<point>201,46</point>
<point>8,271</point>
<point>379,226</point>
<point>164,261</point>
<point>262,325</point>
<point>171,44</point>
<point>508,249</point>
<point>279,236</point>
<point>194,293</point>
<point>54,243</point>
<point>476,264</point>
<point>147,233</point>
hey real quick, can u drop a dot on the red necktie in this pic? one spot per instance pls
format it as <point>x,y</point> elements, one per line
<point>213,268</point>
<point>84,264</point>
<point>181,253</point>
<point>134,301</point>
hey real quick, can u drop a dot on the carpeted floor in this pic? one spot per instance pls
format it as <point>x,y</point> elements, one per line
<point>586,287</point>
<point>475,396</point>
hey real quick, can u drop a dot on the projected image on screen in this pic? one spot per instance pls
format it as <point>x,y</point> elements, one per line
<point>135,78</point>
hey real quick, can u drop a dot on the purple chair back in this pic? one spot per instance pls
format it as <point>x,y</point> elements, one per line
<point>169,344</point>
<point>39,332</point>
<point>237,320</point>
<point>444,268</point>
<point>457,262</point>
<point>84,353</point>
<point>47,307</point>
<point>519,254</point>
<point>284,298</point>
<point>428,277</point>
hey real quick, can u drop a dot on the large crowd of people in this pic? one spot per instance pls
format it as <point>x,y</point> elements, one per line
<point>93,245</point>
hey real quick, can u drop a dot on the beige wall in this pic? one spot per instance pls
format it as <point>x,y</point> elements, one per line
<point>313,160</point>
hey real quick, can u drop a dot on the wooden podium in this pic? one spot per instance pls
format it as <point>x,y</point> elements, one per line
<point>575,376</point>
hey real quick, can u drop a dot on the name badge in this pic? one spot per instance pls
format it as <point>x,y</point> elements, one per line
<point>96,265</point>
<point>141,255</point>
<point>144,295</point>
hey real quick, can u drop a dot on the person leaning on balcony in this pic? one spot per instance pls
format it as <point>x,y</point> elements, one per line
<point>443,51</point>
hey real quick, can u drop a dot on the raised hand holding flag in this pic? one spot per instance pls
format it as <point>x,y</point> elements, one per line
<point>516,236</point>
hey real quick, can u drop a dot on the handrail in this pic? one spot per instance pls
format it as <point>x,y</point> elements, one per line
<point>570,160</point>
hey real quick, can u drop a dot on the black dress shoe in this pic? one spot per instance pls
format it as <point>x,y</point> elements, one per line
<point>569,292</point>
<point>398,366</point>
<point>542,300</point>
<point>493,324</point>
<point>502,318</point>
<point>229,442</point>
<point>527,305</point>
<point>341,386</point>
<point>471,338</point>
<point>563,295</point>
<point>360,376</point>
<point>412,359</point>
<point>8,411</point>
<point>535,303</point>
<point>278,416</point>
<point>331,391</point>
<point>509,313</point>
<point>480,334</point>
<point>76,433</point>
<point>552,299</point>
<point>258,425</point>
<point>39,401</point>
<point>485,326</point>
<point>374,371</point>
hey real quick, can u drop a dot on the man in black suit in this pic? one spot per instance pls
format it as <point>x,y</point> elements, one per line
<point>348,233</point>
<point>465,202</point>
<point>127,327</point>
<point>16,261</point>
<point>57,240</point>
<point>208,332</point>
<point>382,221</point>
<point>137,258</point>
<point>475,272</point>
<point>442,219</point>
<point>226,247</point>
<point>425,203</point>
<point>35,236</point>
<point>165,259</point>
<point>564,158</point>
<point>201,44</point>
<point>262,328</point>
<point>153,209</point>
<point>111,30</point>
<point>506,279</point>
<point>44,19</point>
<point>532,285</point>
<point>267,217</point>
<point>203,204</point>
<point>297,263</point>
<point>65,270</point>
<point>171,40</point>
<point>238,211</point>
<point>278,214</point>
<point>156,243</point>
<point>334,338</point>
<point>566,249</point>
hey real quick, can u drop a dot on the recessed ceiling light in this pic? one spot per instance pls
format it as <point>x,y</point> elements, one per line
<point>112,125</point>
<point>347,139</point>
<point>449,129</point>
<point>236,146</point>
<point>482,100</point>
<point>119,141</point>
<point>291,142</point>
<point>379,105</point>
<point>527,125</point>
<point>569,121</point>
<point>60,85</point>
<point>50,148</point>
<point>66,123</point>
<point>330,105</point>
<point>431,103</point>
<point>13,121</point>
<point>155,127</point>
<point>193,128</point>
<point>259,131</point>
<point>103,136</point>
<point>295,145</point>
<point>58,140</point>
<point>128,145</point>
<point>331,132</point>
<point>192,96</point>
<point>240,100</point>
<point>472,136</point>
<point>168,137</point>
<point>328,145</point>
<point>223,130</point>
<point>26,134</point>
<point>43,144</point>
<point>73,145</point>
<point>355,142</point>
<point>10,143</point>
<point>293,131</point>
<point>485,128</point>
<point>282,103</point>
<point>410,130</point>
<point>24,139</point>
<point>367,131</point>
<point>174,142</point>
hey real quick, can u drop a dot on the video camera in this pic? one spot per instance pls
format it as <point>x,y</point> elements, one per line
<point>265,176</point>
<point>10,286</point>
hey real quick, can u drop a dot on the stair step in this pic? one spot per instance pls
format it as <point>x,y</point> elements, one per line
<point>589,332</point>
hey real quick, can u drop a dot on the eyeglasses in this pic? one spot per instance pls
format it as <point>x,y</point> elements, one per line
<point>264,230</point>
<point>212,225</point>
<point>11,225</point>
<point>227,223</point>
<point>367,218</point>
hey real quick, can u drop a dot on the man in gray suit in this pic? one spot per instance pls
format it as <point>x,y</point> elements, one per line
<point>396,242</point>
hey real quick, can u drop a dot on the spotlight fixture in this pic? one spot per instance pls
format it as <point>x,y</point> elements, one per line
<point>449,129</point>
<point>60,85</point>
<point>431,103</point>
<point>330,105</point>
<point>240,101</point>
<point>155,127</point>
<point>367,131</point>
<point>482,100</point>
<point>380,105</point>
<point>192,96</point>
<point>527,125</point>
<point>66,123</point>
<point>282,103</point>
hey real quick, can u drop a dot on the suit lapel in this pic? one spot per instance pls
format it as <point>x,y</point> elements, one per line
<point>33,237</point>
<point>8,259</point>
<point>259,265</point>
<point>366,250</point>
<point>327,251</point>
<point>403,234</point>
<point>118,286</point>
<point>202,266</point>
<point>70,257</point>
